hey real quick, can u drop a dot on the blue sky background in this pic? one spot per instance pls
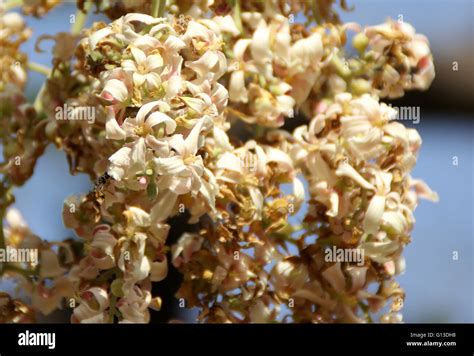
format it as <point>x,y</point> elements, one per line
<point>438,288</point>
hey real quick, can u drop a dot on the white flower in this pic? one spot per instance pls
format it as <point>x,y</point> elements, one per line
<point>181,173</point>
<point>146,119</point>
<point>132,261</point>
<point>102,247</point>
<point>119,163</point>
<point>144,68</point>
<point>93,306</point>
<point>134,306</point>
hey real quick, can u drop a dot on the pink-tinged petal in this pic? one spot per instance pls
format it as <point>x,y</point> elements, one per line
<point>115,91</point>
<point>173,68</point>
<point>373,216</point>
<point>423,190</point>
<point>102,250</point>
<point>91,310</point>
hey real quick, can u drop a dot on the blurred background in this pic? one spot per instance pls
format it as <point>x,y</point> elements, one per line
<point>439,287</point>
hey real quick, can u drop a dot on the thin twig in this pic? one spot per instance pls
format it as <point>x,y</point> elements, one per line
<point>39,68</point>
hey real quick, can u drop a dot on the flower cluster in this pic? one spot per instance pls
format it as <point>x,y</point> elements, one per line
<point>161,100</point>
<point>169,97</point>
<point>22,139</point>
<point>404,58</point>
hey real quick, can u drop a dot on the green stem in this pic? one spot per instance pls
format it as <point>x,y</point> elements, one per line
<point>161,9</point>
<point>39,68</point>
<point>155,8</point>
<point>80,19</point>
<point>236,15</point>
<point>38,104</point>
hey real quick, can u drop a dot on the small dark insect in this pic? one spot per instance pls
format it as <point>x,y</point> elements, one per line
<point>102,180</point>
<point>96,195</point>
